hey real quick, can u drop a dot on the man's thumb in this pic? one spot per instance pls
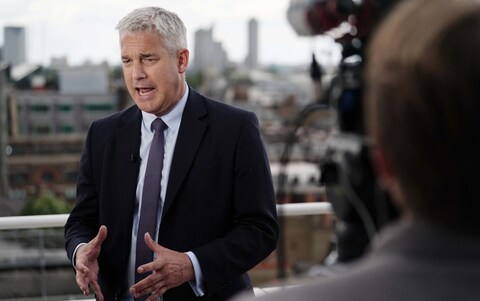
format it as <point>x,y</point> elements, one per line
<point>101,235</point>
<point>150,242</point>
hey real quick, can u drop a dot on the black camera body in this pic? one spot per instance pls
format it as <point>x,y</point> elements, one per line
<point>361,206</point>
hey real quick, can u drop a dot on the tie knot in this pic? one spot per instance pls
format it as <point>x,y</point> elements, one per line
<point>158,125</point>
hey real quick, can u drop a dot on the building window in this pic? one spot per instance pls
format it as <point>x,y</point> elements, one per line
<point>42,129</point>
<point>18,179</point>
<point>71,176</point>
<point>46,149</point>
<point>70,193</point>
<point>39,108</point>
<point>66,128</point>
<point>64,108</point>
<point>47,176</point>
<point>99,107</point>
<point>17,194</point>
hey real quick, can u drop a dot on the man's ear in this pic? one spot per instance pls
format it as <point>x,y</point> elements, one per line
<point>381,165</point>
<point>387,177</point>
<point>182,60</point>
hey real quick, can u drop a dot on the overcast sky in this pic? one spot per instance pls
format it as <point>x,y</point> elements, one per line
<point>84,29</point>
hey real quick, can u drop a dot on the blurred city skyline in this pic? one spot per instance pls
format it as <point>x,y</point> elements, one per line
<point>85,30</point>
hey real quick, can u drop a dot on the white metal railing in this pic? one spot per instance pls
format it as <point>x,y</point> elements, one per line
<point>298,209</point>
<point>33,221</point>
<point>58,220</point>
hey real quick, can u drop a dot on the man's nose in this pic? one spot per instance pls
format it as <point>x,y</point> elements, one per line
<point>138,71</point>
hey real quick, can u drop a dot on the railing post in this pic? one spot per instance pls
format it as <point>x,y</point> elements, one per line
<point>3,135</point>
<point>42,263</point>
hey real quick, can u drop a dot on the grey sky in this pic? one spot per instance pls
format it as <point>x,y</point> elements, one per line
<point>82,30</point>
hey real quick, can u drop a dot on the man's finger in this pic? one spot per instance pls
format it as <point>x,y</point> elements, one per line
<point>153,245</point>
<point>145,286</point>
<point>85,291</point>
<point>98,291</point>
<point>150,242</point>
<point>82,268</point>
<point>82,283</point>
<point>141,289</point>
<point>101,236</point>
<point>156,248</point>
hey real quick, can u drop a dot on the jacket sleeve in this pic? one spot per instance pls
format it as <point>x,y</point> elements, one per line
<point>254,233</point>
<point>82,224</point>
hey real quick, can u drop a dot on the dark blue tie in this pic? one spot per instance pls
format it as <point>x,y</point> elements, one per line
<point>150,197</point>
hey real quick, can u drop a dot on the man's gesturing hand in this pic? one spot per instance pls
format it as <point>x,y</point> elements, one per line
<point>170,269</point>
<point>86,264</point>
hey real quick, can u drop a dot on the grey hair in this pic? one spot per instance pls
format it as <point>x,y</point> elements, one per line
<point>166,23</point>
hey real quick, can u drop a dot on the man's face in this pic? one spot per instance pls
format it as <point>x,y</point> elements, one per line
<point>154,77</point>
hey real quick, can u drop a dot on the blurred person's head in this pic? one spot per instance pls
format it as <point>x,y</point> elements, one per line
<point>423,109</point>
<point>154,58</point>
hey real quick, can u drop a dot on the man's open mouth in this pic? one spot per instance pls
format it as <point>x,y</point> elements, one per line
<point>144,91</point>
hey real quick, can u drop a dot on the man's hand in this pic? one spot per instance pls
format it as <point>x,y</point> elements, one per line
<point>86,264</point>
<point>170,269</point>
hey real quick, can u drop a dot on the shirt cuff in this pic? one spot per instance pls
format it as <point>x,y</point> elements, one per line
<point>197,284</point>
<point>74,257</point>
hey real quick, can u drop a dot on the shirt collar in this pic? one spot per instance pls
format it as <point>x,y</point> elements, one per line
<point>173,118</point>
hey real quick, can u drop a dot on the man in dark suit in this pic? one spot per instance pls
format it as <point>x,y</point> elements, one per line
<point>216,214</point>
<point>422,105</point>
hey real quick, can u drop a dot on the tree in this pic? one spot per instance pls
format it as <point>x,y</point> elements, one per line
<point>46,203</point>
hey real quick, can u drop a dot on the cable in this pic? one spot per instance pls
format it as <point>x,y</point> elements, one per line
<point>282,179</point>
<point>356,202</point>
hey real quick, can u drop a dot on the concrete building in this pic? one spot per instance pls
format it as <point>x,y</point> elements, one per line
<point>85,79</point>
<point>47,130</point>
<point>209,55</point>
<point>47,135</point>
<point>251,61</point>
<point>14,49</point>
<point>50,113</point>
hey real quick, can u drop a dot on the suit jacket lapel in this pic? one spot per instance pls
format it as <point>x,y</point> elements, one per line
<point>189,138</point>
<point>127,147</point>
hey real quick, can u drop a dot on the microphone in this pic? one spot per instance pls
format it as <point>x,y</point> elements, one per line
<point>134,158</point>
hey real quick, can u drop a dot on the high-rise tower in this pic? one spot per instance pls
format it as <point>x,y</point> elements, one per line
<point>251,61</point>
<point>14,45</point>
<point>209,54</point>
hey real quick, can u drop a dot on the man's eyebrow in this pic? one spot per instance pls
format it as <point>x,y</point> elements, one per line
<point>146,55</point>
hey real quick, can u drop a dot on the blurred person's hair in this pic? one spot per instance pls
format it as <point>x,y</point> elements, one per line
<point>166,23</point>
<point>423,107</point>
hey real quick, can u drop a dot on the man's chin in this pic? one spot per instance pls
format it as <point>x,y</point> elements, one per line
<point>145,107</point>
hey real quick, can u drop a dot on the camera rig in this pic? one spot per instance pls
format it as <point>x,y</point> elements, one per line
<point>360,204</point>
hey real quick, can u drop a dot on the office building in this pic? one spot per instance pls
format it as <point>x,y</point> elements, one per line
<point>209,55</point>
<point>14,49</point>
<point>47,129</point>
<point>251,61</point>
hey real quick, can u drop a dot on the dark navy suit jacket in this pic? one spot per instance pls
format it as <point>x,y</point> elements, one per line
<point>219,201</point>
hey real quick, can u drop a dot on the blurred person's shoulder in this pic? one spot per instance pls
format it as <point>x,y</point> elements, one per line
<point>409,261</point>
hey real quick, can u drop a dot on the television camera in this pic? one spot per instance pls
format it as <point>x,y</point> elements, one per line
<point>360,204</point>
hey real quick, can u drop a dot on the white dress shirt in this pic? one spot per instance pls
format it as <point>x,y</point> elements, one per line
<point>172,119</point>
